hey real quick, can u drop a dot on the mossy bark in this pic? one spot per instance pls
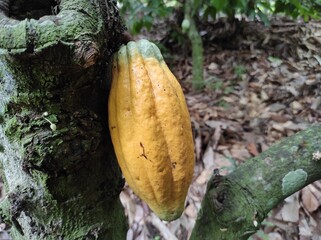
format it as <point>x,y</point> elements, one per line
<point>61,177</point>
<point>236,204</point>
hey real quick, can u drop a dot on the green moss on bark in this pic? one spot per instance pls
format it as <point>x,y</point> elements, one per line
<point>62,182</point>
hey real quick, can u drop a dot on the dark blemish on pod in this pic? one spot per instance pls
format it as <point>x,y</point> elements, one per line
<point>143,154</point>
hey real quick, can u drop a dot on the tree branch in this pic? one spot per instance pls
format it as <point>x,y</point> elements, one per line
<point>236,204</point>
<point>76,20</point>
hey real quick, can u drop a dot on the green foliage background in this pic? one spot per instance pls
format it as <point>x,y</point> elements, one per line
<point>142,13</point>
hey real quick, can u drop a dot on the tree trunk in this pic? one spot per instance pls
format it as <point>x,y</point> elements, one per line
<point>190,9</point>
<point>61,177</point>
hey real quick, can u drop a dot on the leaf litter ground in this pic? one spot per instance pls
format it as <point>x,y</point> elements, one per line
<point>262,84</point>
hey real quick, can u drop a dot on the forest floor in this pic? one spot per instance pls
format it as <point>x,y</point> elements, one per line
<point>263,83</point>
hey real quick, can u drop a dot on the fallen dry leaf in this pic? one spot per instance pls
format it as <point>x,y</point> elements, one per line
<point>309,200</point>
<point>191,211</point>
<point>208,158</point>
<point>252,149</point>
<point>290,210</point>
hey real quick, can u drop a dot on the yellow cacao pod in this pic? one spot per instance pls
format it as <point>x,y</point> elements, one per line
<point>150,128</point>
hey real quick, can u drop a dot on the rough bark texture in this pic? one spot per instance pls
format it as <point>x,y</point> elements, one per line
<point>61,177</point>
<point>235,205</point>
